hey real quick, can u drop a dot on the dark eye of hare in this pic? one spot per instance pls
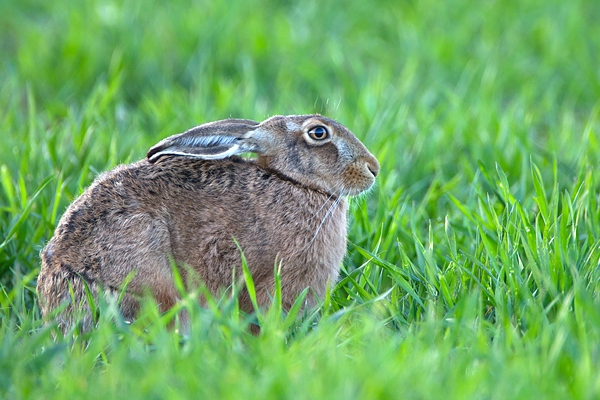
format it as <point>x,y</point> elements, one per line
<point>318,133</point>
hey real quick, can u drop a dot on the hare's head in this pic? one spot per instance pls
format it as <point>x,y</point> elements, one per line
<point>313,150</point>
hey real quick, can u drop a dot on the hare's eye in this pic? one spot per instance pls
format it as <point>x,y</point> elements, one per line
<point>318,133</point>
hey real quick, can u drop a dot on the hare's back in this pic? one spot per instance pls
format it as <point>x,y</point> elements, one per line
<point>158,194</point>
<point>103,219</point>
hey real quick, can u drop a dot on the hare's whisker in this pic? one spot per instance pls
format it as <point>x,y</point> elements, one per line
<point>329,211</point>
<point>324,203</point>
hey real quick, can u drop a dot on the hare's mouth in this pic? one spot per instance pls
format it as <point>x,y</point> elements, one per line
<point>355,191</point>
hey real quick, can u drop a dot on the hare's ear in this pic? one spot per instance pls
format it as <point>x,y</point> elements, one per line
<point>210,141</point>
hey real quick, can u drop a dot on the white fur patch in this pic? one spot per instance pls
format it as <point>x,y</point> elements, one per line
<point>258,134</point>
<point>233,150</point>
<point>345,151</point>
<point>292,126</point>
<point>207,141</point>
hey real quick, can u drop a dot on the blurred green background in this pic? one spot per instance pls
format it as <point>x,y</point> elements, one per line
<point>475,258</point>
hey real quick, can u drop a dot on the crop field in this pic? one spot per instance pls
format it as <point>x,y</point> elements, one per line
<point>472,269</point>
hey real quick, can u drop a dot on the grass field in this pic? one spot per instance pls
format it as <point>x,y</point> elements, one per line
<point>473,266</point>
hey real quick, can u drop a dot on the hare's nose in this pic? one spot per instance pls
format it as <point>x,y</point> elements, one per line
<point>373,166</point>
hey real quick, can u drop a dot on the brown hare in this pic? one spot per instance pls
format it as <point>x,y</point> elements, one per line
<point>192,199</point>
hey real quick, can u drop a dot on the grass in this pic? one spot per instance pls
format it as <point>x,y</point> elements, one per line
<point>472,269</point>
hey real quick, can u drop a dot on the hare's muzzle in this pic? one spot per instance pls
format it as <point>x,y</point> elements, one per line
<point>360,175</point>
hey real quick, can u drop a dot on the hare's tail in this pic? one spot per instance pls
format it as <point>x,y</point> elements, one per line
<point>65,298</point>
<point>65,291</point>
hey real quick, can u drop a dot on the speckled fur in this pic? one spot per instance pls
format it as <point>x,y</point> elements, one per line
<point>134,219</point>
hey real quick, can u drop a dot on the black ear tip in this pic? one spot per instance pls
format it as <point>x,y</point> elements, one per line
<point>152,155</point>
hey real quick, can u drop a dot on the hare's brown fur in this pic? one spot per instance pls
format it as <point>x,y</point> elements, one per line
<point>136,219</point>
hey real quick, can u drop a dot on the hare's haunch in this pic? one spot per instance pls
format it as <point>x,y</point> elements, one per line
<point>192,199</point>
